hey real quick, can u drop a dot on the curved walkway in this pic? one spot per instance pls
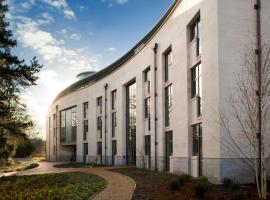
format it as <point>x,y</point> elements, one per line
<point>119,187</point>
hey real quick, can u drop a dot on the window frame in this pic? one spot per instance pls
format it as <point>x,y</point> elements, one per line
<point>168,104</point>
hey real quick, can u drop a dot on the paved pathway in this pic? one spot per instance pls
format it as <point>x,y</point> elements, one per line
<point>119,187</point>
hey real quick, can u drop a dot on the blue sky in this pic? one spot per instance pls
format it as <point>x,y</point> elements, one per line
<point>69,37</point>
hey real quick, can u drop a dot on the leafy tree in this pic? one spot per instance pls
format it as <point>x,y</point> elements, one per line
<point>15,76</point>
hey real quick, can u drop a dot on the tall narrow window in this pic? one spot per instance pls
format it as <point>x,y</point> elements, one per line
<point>113,123</point>
<point>68,125</point>
<point>85,110</point>
<point>99,126</point>
<point>147,79</point>
<point>62,124</point>
<point>196,81</point>
<point>114,148</point>
<point>147,108</point>
<point>131,123</point>
<point>99,148</point>
<point>85,129</point>
<point>113,99</point>
<point>168,63</point>
<point>197,139</point>
<point>147,146</point>
<point>74,123</point>
<point>195,34</point>
<point>168,105</point>
<point>99,104</point>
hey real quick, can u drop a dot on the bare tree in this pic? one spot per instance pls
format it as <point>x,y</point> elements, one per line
<point>241,123</point>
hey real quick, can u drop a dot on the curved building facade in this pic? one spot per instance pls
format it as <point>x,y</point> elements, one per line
<point>159,105</point>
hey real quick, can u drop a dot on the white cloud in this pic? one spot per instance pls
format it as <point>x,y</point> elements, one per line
<point>61,5</point>
<point>121,2</point>
<point>47,17</point>
<point>25,6</point>
<point>82,8</point>
<point>69,14</point>
<point>31,35</point>
<point>75,36</point>
<point>111,49</point>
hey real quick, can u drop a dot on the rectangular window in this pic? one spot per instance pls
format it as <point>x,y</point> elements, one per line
<point>85,129</point>
<point>114,148</point>
<point>196,81</point>
<point>195,34</point>
<point>147,145</point>
<point>113,123</point>
<point>68,125</point>
<point>168,63</point>
<point>99,126</point>
<point>197,139</point>
<point>99,104</point>
<point>147,110</point>
<point>147,107</point>
<point>85,110</point>
<point>147,79</point>
<point>168,104</point>
<point>99,148</point>
<point>113,99</point>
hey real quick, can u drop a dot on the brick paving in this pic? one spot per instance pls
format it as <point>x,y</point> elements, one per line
<point>119,187</point>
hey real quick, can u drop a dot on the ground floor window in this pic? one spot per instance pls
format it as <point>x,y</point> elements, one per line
<point>168,149</point>
<point>147,146</point>
<point>196,138</point>
<point>99,148</point>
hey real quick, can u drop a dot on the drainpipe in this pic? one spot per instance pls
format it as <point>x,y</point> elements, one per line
<point>258,52</point>
<point>105,122</point>
<point>155,100</point>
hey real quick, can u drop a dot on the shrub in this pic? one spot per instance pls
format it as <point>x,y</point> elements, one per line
<point>201,187</point>
<point>31,166</point>
<point>238,195</point>
<point>203,179</point>
<point>174,184</point>
<point>227,182</point>
<point>183,178</point>
<point>235,186</point>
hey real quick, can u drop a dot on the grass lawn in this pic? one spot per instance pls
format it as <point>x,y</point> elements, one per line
<point>156,185</point>
<point>17,166</point>
<point>51,186</point>
<point>78,165</point>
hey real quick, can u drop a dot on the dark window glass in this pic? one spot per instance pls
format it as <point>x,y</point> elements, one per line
<point>99,126</point>
<point>147,79</point>
<point>113,99</point>
<point>85,129</point>
<point>131,123</point>
<point>68,125</point>
<point>168,149</point>
<point>195,34</point>
<point>99,148</point>
<point>197,138</point>
<point>147,145</point>
<point>196,81</point>
<point>114,148</point>
<point>99,104</point>
<point>113,123</point>
<point>85,109</point>
<point>147,108</point>
<point>168,104</point>
<point>168,63</point>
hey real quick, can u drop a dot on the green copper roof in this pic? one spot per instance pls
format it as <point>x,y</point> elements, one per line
<point>118,63</point>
